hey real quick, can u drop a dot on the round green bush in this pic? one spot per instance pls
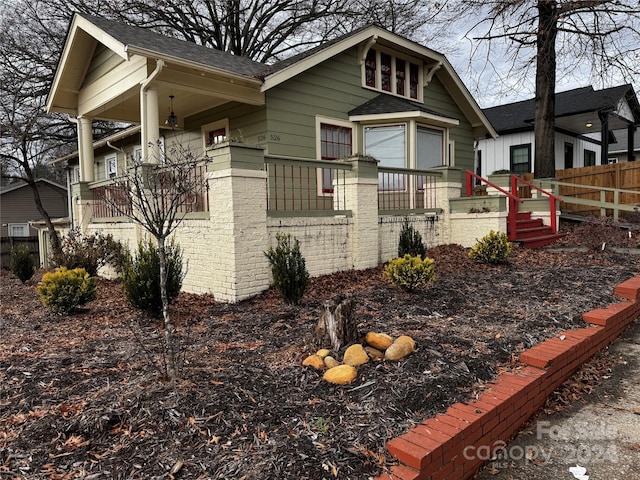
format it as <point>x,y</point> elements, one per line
<point>64,290</point>
<point>492,248</point>
<point>410,272</point>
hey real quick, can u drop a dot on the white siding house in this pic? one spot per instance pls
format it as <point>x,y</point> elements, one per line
<point>584,117</point>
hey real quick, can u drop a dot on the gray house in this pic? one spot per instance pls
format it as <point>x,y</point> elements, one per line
<point>17,207</point>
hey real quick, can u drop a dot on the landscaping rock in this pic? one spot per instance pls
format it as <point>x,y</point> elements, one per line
<point>406,338</point>
<point>402,347</point>
<point>314,361</point>
<point>379,341</point>
<point>330,362</point>
<point>374,353</point>
<point>341,375</point>
<point>322,353</point>
<point>355,355</point>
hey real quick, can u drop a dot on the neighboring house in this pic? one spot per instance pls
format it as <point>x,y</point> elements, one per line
<point>619,149</point>
<point>584,121</point>
<point>18,208</point>
<point>336,145</point>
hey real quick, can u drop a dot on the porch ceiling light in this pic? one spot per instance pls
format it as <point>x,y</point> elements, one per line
<point>589,124</point>
<point>172,120</point>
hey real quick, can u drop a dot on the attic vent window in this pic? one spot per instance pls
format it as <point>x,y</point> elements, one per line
<point>386,72</point>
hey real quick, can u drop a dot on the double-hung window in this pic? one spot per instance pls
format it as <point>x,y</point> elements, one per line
<point>388,144</point>
<point>336,141</point>
<point>18,229</point>
<point>520,158</point>
<point>111,165</point>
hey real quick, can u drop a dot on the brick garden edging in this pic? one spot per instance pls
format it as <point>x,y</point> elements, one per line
<point>434,450</point>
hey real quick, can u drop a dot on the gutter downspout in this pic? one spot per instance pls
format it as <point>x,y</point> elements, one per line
<point>144,86</point>
<point>70,173</point>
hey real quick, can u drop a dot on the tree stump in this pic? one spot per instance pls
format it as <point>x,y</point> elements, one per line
<point>337,324</point>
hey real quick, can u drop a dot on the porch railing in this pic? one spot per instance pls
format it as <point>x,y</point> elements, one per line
<point>305,186</point>
<point>513,200</point>
<point>405,189</point>
<point>553,199</point>
<point>112,200</point>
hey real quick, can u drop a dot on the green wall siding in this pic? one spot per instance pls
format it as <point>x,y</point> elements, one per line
<point>246,122</point>
<point>330,89</point>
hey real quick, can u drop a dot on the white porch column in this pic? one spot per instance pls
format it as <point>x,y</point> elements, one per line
<point>85,149</point>
<point>150,124</point>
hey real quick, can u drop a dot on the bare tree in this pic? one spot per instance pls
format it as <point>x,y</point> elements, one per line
<point>157,195</point>
<point>30,138</point>
<point>559,38</point>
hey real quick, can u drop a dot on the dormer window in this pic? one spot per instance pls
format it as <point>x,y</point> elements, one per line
<point>386,72</point>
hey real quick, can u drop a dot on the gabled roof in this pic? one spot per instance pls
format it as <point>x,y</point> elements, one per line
<point>86,31</point>
<point>520,116</point>
<point>21,184</point>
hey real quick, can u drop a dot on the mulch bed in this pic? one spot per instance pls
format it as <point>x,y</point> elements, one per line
<point>80,396</point>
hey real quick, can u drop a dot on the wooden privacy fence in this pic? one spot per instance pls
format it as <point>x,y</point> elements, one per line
<point>604,179</point>
<point>7,243</point>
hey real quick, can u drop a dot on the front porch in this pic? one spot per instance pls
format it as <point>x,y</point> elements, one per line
<point>346,215</point>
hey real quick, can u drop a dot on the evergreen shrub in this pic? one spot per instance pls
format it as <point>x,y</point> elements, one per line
<point>141,276</point>
<point>290,275</point>
<point>64,290</point>
<point>410,272</point>
<point>410,241</point>
<point>493,248</point>
<point>22,264</point>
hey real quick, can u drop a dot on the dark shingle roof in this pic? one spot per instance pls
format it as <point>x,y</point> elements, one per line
<point>520,115</point>
<point>384,103</point>
<point>155,42</point>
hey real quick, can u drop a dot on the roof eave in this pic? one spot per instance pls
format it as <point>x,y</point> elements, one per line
<point>133,50</point>
<point>410,115</point>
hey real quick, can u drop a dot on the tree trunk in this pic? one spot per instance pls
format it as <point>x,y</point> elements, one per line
<point>54,239</point>
<point>168,327</point>
<point>545,89</point>
<point>337,325</point>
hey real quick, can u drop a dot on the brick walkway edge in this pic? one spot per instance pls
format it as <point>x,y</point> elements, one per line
<point>437,449</point>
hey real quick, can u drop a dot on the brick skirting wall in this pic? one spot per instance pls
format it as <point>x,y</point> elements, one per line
<point>435,449</point>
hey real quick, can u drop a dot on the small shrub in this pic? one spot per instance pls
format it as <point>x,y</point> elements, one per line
<point>90,252</point>
<point>63,290</point>
<point>22,264</point>
<point>141,276</point>
<point>410,242</point>
<point>410,272</point>
<point>290,275</point>
<point>492,248</point>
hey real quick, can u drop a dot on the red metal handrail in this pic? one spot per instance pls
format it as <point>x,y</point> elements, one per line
<point>552,199</point>
<point>513,201</point>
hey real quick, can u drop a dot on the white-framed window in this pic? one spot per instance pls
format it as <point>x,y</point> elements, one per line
<point>137,154</point>
<point>386,71</point>
<point>18,229</point>
<point>335,139</point>
<point>429,147</point>
<point>215,132</point>
<point>75,174</point>
<point>111,165</point>
<point>388,145</point>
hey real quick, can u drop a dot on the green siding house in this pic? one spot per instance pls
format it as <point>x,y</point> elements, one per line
<point>337,145</point>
